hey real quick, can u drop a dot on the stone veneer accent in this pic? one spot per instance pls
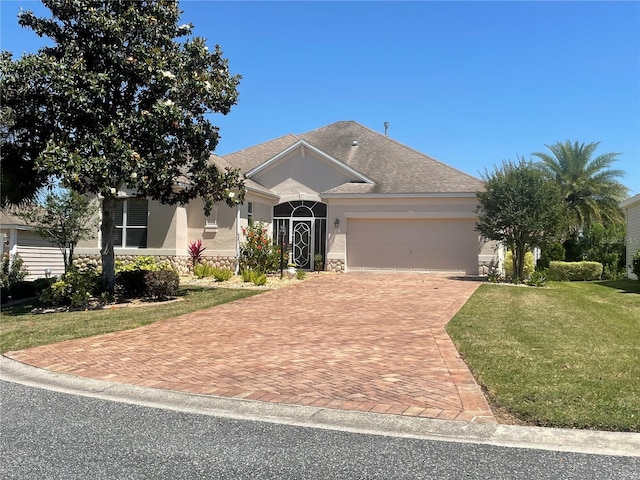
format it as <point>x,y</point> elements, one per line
<point>484,268</point>
<point>181,263</point>
<point>335,266</point>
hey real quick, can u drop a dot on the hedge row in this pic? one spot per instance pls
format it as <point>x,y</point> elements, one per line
<point>584,271</point>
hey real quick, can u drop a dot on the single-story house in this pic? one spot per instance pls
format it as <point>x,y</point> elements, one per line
<point>358,198</point>
<point>40,257</point>
<point>631,207</point>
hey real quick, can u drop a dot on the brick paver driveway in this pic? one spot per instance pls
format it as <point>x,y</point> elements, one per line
<point>367,342</point>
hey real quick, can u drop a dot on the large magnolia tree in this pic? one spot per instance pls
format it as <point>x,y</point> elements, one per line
<point>119,102</point>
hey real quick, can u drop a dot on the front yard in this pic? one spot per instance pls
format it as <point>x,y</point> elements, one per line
<point>563,356</point>
<point>20,329</point>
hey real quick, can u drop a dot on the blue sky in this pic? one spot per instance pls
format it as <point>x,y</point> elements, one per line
<point>468,83</point>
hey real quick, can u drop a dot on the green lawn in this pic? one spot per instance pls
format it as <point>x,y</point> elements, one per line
<point>20,329</point>
<point>563,356</point>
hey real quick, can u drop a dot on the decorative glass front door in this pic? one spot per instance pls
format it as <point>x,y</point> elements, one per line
<point>301,247</point>
<point>303,225</point>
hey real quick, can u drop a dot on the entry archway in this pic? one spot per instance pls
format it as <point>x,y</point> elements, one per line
<point>304,226</point>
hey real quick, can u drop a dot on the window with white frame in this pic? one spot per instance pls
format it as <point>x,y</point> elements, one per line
<point>131,223</point>
<point>250,213</point>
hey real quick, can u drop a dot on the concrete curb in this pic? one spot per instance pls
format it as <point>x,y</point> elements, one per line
<point>579,441</point>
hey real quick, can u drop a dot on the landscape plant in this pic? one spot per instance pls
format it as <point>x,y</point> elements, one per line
<point>195,251</point>
<point>258,252</point>
<point>221,274</point>
<point>202,270</point>
<point>520,208</point>
<point>527,269</point>
<point>589,187</point>
<point>64,219</point>
<point>12,270</point>
<point>119,101</point>
<point>74,289</point>
<point>575,271</point>
<point>635,265</point>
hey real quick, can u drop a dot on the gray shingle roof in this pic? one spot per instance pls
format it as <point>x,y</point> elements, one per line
<point>394,167</point>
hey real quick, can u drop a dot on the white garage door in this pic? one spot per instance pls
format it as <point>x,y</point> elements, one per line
<point>418,244</point>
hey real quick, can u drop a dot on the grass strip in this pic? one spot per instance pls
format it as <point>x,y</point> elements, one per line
<point>20,329</point>
<point>563,356</point>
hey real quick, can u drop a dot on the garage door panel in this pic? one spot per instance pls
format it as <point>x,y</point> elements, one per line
<point>402,244</point>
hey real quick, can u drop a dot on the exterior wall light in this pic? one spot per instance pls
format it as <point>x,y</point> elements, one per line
<point>336,224</point>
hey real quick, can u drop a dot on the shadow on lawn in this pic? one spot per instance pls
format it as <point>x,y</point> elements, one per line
<point>626,286</point>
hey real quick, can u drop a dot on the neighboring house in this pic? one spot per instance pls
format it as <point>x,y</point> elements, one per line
<point>631,207</point>
<point>37,253</point>
<point>358,198</point>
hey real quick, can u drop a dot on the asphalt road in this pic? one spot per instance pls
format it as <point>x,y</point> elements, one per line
<point>50,435</point>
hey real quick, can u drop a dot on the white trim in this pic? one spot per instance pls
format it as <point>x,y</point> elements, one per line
<point>261,193</point>
<point>400,195</point>
<point>302,144</point>
<point>630,201</point>
<point>312,197</point>
<point>411,215</point>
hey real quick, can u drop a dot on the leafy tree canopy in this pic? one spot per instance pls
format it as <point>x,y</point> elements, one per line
<point>119,102</point>
<point>519,207</point>
<point>64,219</point>
<point>590,189</point>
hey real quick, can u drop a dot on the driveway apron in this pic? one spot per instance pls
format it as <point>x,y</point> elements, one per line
<point>356,341</point>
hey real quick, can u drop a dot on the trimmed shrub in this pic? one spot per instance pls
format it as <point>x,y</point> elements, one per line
<point>549,253</point>
<point>221,274</point>
<point>301,274</point>
<point>161,284</point>
<point>41,284</point>
<point>142,262</point>
<point>74,289</point>
<point>4,295</point>
<point>575,271</point>
<point>529,264</point>
<point>131,283</point>
<point>12,270</point>
<point>22,289</point>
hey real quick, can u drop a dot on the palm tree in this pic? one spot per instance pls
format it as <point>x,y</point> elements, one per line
<point>589,185</point>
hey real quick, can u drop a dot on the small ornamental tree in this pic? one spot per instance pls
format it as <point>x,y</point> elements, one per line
<point>64,219</point>
<point>257,252</point>
<point>121,98</point>
<point>519,207</point>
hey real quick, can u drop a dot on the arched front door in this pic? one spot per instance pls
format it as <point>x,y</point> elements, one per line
<point>304,226</point>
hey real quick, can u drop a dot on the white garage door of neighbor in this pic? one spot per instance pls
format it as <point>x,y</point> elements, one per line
<point>447,245</point>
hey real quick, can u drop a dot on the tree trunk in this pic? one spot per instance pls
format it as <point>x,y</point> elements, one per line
<point>68,266</point>
<point>108,256</point>
<point>519,265</point>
